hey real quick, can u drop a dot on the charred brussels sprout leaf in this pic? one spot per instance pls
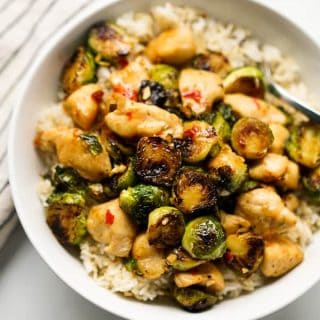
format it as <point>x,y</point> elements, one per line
<point>311,184</point>
<point>117,149</point>
<point>193,191</point>
<point>79,70</point>
<point>245,252</point>
<point>151,92</point>
<point>194,300</point>
<point>180,260</point>
<point>165,227</point>
<point>157,161</point>
<point>303,145</point>
<point>204,238</point>
<point>92,142</point>
<point>140,200</point>
<point>108,41</point>
<point>251,138</point>
<point>126,179</point>
<point>227,113</point>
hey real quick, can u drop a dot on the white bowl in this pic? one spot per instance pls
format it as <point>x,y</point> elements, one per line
<point>40,90</point>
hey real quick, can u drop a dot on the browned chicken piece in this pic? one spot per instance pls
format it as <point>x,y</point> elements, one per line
<point>291,201</point>
<point>280,256</point>
<point>266,211</point>
<point>206,275</point>
<point>271,168</point>
<point>199,89</point>
<point>174,46</point>
<point>133,119</point>
<point>108,224</point>
<point>83,104</point>
<point>245,106</point>
<point>73,150</point>
<point>150,260</point>
<point>233,224</point>
<point>290,180</point>
<point>280,135</point>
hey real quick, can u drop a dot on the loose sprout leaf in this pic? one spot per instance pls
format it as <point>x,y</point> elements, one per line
<point>92,142</point>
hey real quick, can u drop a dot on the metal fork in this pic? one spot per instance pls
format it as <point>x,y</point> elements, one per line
<point>283,94</point>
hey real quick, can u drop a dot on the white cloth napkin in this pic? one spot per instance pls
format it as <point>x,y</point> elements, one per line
<point>25,27</point>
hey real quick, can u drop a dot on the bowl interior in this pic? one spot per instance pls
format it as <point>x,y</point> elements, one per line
<point>40,92</point>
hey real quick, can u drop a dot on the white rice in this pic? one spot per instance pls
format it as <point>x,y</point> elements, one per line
<point>241,49</point>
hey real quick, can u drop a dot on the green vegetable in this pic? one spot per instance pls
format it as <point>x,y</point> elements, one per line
<point>180,260</point>
<point>66,198</point>
<point>251,138</point>
<point>248,185</point>
<point>311,184</point>
<point>79,70</point>
<point>204,238</point>
<point>131,265</point>
<point>157,161</point>
<point>166,75</point>
<point>303,145</point>
<point>126,179</point>
<point>165,227</point>
<point>93,144</point>
<point>117,149</point>
<point>140,200</point>
<point>221,126</point>
<point>193,300</point>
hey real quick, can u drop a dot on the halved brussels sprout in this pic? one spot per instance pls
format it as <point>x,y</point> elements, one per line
<point>126,179</point>
<point>166,75</point>
<point>165,227</point>
<point>245,252</point>
<point>140,200</point>
<point>251,138</point>
<point>79,70</point>
<point>151,92</point>
<point>303,145</point>
<point>204,238</point>
<point>180,260</point>
<point>157,161</point>
<point>194,300</point>
<point>311,184</point>
<point>109,41</point>
<point>193,191</point>
<point>247,80</point>
<point>200,139</point>
<point>222,127</point>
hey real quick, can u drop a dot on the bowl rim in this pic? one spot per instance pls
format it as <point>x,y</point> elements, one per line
<point>58,36</point>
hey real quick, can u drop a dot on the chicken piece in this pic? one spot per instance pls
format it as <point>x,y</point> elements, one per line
<point>280,134</point>
<point>83,104</point>
<point>266,211</point>
<point>290,180</point>
<point>245,106</point>
<point>291,201</point>
<point>280,256</point>
<point>271,168</point>
<point>234,224</point>
<point>150,260</point>
<point>74,151</point>
<point>130,77</point>
<point>109,225</point>
<point>206,275</point>
<point>174,46</point>
<point>133,119</point>
<point>199,90</point>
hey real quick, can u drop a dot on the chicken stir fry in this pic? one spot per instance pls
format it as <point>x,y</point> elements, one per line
<point>158,150</point>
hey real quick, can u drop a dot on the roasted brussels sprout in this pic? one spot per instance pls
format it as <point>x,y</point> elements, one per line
<point>251,138</point>
<point>151,92</point>
<point>126,179</point>
<point>222,127</point>
<point>79,70</point>
<point>200,139</point>
<point>248,185</point>
<point>233,223</point>
<point>303,145</point>
<point>311,184</point>
<point>194,300</point>
<point>157,161</point>
<point>228,170</point>
<point>212,61</point>
<point>247,80</point>
<point>204,238</point>
<point>193,191</point>
<point>165,227</point>
<point>140,200</point>
<point>166,75</point>
<point>131,265</point>
<point>245,252</point>
<point>108,41</point>
<point>93,143</point>
<point>65,217</point>
<point>180,260</point>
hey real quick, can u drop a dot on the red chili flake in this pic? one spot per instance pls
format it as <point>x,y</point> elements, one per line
<point>97,96</point>
<point>129,115</point>
<point>191,133</point>
<point>127,92</point>
<point>192,94</point>
<point>109,218</point>
<point>228,256</point>
<point>193,272</point>
<point>256,102</point>
<point>123,62</point>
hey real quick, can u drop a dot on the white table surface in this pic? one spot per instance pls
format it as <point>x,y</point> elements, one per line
<point>30,290</point>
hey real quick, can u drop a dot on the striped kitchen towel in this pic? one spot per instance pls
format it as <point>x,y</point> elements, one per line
<point>25,27</point>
